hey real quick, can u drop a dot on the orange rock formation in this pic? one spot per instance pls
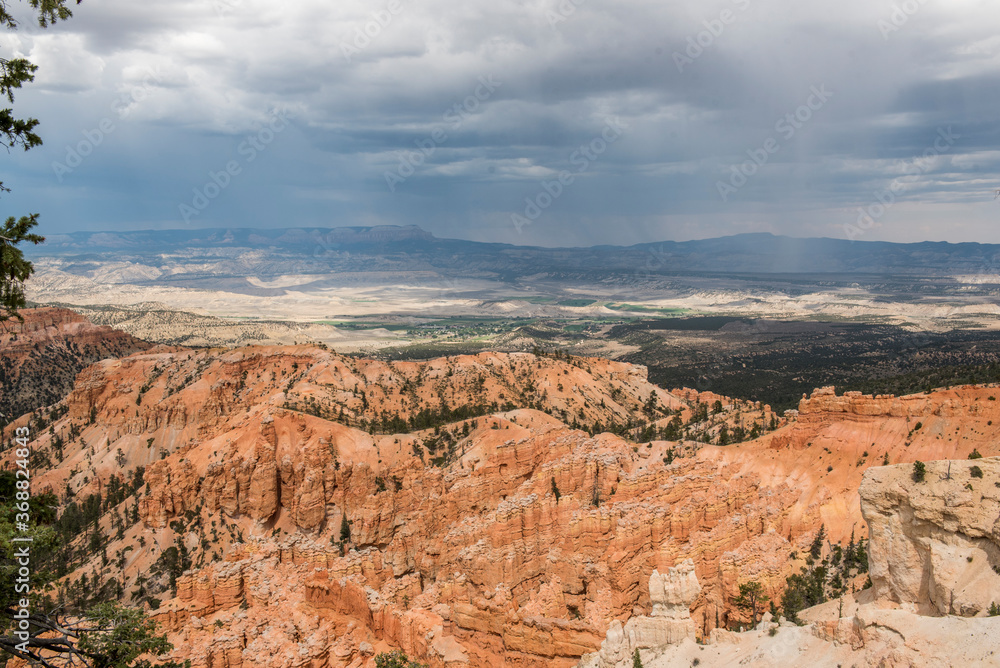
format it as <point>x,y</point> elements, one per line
<point>503,538</point>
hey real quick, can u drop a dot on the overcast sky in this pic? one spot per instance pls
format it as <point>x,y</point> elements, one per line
<point>674,120</point>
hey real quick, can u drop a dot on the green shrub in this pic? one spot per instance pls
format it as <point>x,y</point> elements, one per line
<point>919,471</point>
<point>976,472</point>
<point>396,659</point>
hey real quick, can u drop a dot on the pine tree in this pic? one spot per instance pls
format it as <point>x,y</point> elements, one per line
<point>751,597</point>
<point>345,529</point>
<point>816,549</point>
<point>849,554</point>
<point>14,72</point>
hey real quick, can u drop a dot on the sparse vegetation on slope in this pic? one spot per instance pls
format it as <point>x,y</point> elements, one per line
<point>237,467</point>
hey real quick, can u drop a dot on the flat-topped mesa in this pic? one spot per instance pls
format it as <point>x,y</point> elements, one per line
<point>825,401</point>
<point>670,622</point>
<point>935,543</point>
<point>51,325</point>
<point>39,319</point>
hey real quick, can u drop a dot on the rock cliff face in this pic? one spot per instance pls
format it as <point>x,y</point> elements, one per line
<point>935,544</point>
<point>331,507</point>
<point>512,571</point>
<point>40,357</point>
<point>835,439</point>
<point>669,623</point>
<point>933,559</point>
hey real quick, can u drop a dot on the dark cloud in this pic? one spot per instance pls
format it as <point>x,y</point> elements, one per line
<point>696,96</point>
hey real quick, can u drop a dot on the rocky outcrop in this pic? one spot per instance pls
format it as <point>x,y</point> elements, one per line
<point>935,543</point>
<point>41,356</point>
<point>933,557</point>
<point>509,536</point>
<point>825,402</point>
<point>919,417</point>
<point>668,624</point>
<point>673,593</point>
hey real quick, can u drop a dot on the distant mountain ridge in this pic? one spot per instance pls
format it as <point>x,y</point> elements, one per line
<point>410,248</point>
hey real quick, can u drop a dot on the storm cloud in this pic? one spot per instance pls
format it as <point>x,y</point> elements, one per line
<point>490,121</point>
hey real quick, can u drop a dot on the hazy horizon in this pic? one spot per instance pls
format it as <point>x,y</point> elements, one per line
<point>55,236</point>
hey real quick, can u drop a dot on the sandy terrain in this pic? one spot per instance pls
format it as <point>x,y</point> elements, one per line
<point>317,298</point>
